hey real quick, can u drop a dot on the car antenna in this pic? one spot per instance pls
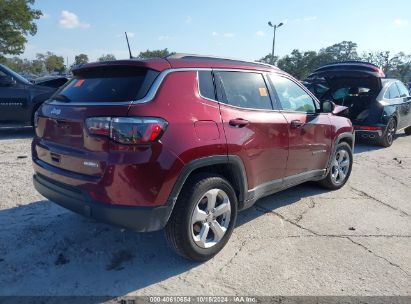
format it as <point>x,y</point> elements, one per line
<point>128,44</point>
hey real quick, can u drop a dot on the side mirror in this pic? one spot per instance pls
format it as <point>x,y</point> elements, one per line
<point>327,106</point>
<point>6,81</point>
<point>341,111</point>
<point>330,107</point>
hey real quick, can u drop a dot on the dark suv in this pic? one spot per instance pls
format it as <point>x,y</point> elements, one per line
<point>183,143</point>
<point>20,98</point>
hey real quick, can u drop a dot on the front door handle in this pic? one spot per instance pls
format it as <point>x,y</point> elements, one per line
<point>296,123</point>
<point>239,123</point>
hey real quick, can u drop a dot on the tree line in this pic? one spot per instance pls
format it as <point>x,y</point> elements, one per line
<point>301,63</point>
<point>298,63</point>
<point>52,63</point>
<point>17,21</point>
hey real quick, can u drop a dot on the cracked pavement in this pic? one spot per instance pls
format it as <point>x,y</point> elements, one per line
<point>302,241</point>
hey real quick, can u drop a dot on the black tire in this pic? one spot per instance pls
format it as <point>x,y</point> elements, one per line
<point>387,137</point>
<point>331,181</point>
<point>407,131</point>
<point>180,228</point>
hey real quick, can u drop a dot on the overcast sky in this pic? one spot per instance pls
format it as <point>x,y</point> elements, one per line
<point>225,28</point>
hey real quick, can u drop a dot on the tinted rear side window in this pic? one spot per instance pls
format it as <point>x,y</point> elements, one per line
<point>392,92</point>
<point>403,90</point>
<point>245,90</point>
<point>206,84</point>
<point>107,85</point>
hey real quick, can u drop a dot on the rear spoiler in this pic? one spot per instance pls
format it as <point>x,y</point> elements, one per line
<point>157,64</point>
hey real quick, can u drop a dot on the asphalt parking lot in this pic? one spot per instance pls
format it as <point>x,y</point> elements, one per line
<point>303,241</point>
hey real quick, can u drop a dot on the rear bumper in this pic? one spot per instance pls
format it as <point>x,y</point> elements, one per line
<point>141,219</point>
<point>369,131</point>
<point>368,134</point>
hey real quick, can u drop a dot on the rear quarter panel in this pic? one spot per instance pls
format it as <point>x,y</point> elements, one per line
<point>194,125</point>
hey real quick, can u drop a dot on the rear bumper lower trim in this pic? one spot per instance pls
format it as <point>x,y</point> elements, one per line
<point>371,134</point>
<point>141,219</point>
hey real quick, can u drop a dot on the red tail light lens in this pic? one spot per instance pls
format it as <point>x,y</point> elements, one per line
<point>367,128</point>
<point>128,130</point>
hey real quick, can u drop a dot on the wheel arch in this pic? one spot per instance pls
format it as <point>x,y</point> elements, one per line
<point>230,167</point>
<point>346,137</point>
<point>395,117</point>
<point>390,112</point>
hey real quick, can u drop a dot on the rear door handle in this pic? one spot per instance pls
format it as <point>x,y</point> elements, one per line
<point>296,123</point>
<point>239,123</point>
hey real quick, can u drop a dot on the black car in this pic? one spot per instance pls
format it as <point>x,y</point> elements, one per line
<point>50,81</point>
<point>20,98</point>
<point>377,106</point>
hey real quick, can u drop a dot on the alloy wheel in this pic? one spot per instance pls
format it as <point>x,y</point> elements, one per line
<point>340,166</point>
<point>390,132</point>
<point>211,218</point>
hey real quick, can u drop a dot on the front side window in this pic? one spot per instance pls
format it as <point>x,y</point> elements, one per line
<point>291,96</point>
<point>392,92</point>
<point>245,90</point>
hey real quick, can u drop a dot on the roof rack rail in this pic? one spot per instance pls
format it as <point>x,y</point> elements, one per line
<point>194,56</point>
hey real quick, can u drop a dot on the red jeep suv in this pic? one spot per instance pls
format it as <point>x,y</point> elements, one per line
<point>183,143</point>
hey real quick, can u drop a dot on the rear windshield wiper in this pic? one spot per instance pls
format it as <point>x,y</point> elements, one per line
<point>61,97</point>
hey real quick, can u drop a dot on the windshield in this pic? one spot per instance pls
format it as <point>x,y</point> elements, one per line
<point>16,76</point>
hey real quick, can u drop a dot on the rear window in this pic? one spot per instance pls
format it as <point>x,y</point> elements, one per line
<point>341,93</point>
<point>107,85</point>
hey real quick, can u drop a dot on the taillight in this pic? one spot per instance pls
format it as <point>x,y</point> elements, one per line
<point>127,130</point>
